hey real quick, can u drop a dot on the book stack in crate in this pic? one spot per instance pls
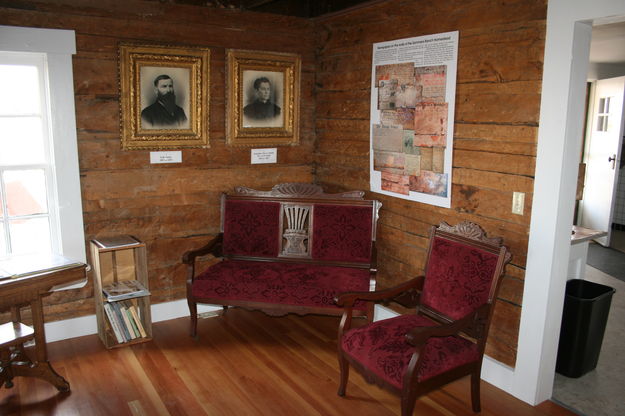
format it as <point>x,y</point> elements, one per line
<point>121,291</point>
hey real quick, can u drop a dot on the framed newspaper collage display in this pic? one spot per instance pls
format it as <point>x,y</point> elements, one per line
<point>412,117</point>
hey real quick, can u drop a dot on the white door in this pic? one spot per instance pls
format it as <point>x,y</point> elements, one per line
<point>603,155</point>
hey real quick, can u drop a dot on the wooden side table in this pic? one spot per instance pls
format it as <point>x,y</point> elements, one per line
<point>21,288</point>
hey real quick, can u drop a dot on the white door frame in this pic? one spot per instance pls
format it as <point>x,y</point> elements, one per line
<point>559,140</point>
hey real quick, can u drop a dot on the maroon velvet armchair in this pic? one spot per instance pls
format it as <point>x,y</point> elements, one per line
<point>444,340</point>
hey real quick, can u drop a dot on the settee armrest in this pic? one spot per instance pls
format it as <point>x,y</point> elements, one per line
<point>213,247</point>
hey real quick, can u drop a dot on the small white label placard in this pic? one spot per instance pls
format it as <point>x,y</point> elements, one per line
<point>166,157</point>
<point>264,155</point>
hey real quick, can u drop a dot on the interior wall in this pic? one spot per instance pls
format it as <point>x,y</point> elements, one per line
<point>175,207</point>
<point>603,71</point>
<point>171,207</point>
<point>497,109</point>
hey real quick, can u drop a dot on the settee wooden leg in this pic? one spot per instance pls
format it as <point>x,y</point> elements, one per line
<point>225,309</point>
<point>193,315</point>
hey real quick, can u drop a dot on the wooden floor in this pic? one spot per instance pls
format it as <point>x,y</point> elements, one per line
<point>244,363</point>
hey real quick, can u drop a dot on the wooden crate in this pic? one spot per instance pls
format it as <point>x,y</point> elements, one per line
<point>115,259</point>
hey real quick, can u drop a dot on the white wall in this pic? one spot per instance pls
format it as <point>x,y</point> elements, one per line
<point>603,71</point>
<point>559,140</point>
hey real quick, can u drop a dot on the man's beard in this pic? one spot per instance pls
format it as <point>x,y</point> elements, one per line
<point>168,100</point>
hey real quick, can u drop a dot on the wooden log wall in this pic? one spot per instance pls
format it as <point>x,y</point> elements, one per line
<point>499,76</point>
<point>175,207</point>
<point>171,207</point>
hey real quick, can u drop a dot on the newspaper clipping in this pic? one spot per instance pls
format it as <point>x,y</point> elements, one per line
<point>412,117</point>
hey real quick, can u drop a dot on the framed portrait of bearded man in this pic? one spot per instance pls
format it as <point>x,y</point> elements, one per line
<point>163,96</point>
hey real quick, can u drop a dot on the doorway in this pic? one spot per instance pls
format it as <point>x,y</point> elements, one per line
<point>598,392</point>
<point>602,151</point>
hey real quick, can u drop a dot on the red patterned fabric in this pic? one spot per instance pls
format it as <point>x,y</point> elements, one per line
<point>382,348</point>
<point>458,278</point>
<point>342,233</point>
<point>275,282</point>
<point>251,228</point>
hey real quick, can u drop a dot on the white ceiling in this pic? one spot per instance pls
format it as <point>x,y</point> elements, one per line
<point>608,44</point>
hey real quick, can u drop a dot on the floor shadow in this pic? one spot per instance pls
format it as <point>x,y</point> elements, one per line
<point>609,260</point>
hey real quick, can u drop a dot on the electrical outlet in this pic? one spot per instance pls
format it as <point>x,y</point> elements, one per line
<point>518,202</point>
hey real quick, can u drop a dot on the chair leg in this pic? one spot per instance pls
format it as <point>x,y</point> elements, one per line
<point>344,368</point>
<point>193,315</point>
<point>475,392</point>
<point>407,403</point>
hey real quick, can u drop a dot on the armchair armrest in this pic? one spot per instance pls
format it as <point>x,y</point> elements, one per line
<point>469,324</point>
<point>214,247</point>
<point>348,299</point>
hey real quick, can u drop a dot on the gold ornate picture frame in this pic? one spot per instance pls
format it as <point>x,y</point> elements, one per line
<point>263,92</point>
<point>164,95</point>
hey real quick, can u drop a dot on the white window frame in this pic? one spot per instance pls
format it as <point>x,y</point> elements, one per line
<point>58,47</point>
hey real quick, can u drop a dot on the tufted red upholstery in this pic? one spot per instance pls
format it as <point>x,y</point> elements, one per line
<point>382,348</point>
<point>342,233</point>
<point>458,278</point>
<point>251,228</point>
<point>453,304</point>
<point>277,282</point>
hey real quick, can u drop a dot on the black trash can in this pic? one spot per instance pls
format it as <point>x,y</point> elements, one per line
<point>586,309</point>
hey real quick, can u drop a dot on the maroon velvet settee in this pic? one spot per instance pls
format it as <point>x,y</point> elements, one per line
<point>289,250</point>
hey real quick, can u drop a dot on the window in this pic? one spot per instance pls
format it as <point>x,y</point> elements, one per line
<point>603,113</point>
<point>26,221</point>
<point>40,203</point>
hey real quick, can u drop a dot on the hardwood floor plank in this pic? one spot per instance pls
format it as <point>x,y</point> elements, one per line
<point>244,363</point>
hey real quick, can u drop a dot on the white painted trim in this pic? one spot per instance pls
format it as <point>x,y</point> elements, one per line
<point>27,39</point>
<point>381,312</point>
<point>58,47</point>
<point>87,325</point>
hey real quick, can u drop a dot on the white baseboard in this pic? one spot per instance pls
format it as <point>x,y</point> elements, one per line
<point>87,325</point>
<point>382,312</point>
<point>493,371</point>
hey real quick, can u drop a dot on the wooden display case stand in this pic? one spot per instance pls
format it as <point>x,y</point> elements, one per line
<point>120,259</point>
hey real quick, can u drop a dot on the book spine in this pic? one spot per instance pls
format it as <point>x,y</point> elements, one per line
<point>113,322</point>
<point>131,319</point>
<point>135,315</point>
<point>121,320</point>
<point>124,313</point>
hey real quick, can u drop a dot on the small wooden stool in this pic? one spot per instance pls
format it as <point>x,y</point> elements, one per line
<point>13,335</point>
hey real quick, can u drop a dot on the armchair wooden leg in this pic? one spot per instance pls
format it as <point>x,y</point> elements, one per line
<point>475,391</point>
<point>193,315</point>
<point>344,368</point>
<point>407,403</point>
